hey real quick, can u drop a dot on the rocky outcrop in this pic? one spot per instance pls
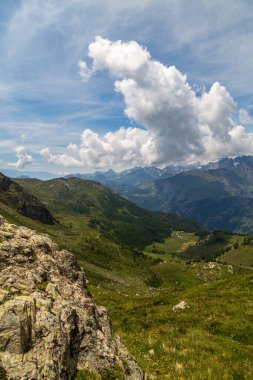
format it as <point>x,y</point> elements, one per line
<point>36,211</point>
<point>14,196</point>
<point>50,326</point>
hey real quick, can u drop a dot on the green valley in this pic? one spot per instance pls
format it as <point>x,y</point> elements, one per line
<point>140,264</point>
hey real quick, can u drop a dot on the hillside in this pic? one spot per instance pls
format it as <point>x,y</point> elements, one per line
<point>218,199</point>
<point>212,339</point>
<point>114,217</point>
<point>217,195</point>
<point>14,196</point>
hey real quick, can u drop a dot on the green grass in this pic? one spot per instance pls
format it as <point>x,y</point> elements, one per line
<point>242,256</point>
<point>213,339</point>
<point>176,275</point>
<point>177,242</point>
<point>208,248</point>
<point>241,252</point>
<point>113,373</point>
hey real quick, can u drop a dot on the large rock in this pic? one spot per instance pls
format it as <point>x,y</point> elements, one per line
<point>50,326</point>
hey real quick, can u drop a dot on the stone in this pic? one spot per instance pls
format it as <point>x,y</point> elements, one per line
<point>210,265</point>
<point>180,306</point>
<point>50,326</point>
<point>230,269</point>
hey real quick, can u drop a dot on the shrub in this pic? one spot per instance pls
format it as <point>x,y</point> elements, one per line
<point>154,281</point>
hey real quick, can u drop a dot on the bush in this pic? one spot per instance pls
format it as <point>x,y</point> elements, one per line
<point>236,245</point>
<point>154,281</point>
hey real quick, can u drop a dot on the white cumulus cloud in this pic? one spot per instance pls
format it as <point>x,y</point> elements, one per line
<point>61,159</point>
<point>23,158</point>
<point>124,148</point>
<point>178,125</point>
<point>185,126</point>
<point>244,117</point>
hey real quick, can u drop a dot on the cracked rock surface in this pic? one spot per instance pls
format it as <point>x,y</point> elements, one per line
<point>50,326</point>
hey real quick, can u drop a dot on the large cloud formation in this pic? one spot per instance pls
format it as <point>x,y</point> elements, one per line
<point>179,126</point>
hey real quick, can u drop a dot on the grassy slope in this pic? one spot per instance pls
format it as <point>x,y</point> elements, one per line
<point>116,218</point>
<point>241,252</point>
<point>210,340</point>
<point>104,261</point>
<point>213,339</point>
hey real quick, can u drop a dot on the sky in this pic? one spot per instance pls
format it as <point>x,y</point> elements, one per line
<point>91,85</point>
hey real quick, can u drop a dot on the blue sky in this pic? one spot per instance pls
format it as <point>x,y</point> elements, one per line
<point>45,103</point>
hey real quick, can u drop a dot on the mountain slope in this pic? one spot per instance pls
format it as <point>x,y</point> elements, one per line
<point>14,196</point>
<point>218,199</point>
<point>116,218</point>
<point>212,339</point>
<point>217,195</point>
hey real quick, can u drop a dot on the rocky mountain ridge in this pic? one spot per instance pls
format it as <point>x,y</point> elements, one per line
<point>50,326</point>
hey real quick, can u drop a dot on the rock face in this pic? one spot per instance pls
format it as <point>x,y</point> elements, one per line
<point>14,196</point>
<point>50,327</point>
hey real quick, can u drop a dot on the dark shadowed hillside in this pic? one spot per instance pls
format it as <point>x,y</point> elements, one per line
<point>14,196</point>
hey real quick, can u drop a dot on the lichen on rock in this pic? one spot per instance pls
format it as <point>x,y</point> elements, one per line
<point>50,326</point>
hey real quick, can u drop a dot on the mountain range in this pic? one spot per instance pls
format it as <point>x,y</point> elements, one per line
<point>218,195</point>
<point>134,176</point>
<point>13,173</point>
